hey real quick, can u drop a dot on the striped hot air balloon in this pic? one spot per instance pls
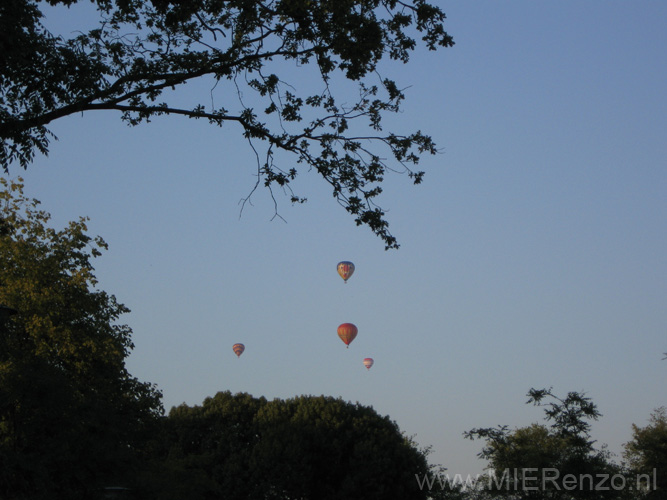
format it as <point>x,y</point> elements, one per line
<point>345,269</point>
<point>368,362</point>
<point>347,333</point>
<point>238,349</point>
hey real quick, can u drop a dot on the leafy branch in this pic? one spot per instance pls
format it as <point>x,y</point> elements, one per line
<point>144,51</point>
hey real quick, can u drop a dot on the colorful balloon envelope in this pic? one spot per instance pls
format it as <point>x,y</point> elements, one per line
<point>347,333</point>
<point>345,269</point>
<point>368,362</point>
<point>238,349</point>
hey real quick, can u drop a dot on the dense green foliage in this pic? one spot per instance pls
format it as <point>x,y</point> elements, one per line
<point>646,453</point>
<point>549,461</point>
<point>72,419</point>
<point>277,68</point>
<point>240,447</point>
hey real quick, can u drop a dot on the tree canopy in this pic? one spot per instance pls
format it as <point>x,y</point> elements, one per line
<point>256,56</point>
<point>646,453</point>
<point>548,461</point>
<point>72,419</point>
<point>235,446</point>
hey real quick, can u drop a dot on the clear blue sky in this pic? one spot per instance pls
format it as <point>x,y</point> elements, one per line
<point>533,255</point>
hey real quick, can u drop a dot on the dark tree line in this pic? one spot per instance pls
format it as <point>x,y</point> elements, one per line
<point>72,418</point>
<point>240,447</point>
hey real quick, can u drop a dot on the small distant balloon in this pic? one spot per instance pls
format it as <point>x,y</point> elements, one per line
<point>345,269</point>
<point>368,362</point>
<point>238,349</point>
<point>347,333</point>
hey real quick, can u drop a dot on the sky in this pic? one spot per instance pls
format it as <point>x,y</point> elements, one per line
<point>533,255</point>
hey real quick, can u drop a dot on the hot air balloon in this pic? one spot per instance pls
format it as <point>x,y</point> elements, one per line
<point>238,349</point>
<point>347,333</point>
<point>368,362</point>
<point>345,269</point>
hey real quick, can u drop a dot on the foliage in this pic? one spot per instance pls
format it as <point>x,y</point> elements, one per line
<point>239,447</point>
<point>536,461</point>
<point>71,416</point>
<point>142,51</point>
<point>203,451</point>
<point>646,453</point>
